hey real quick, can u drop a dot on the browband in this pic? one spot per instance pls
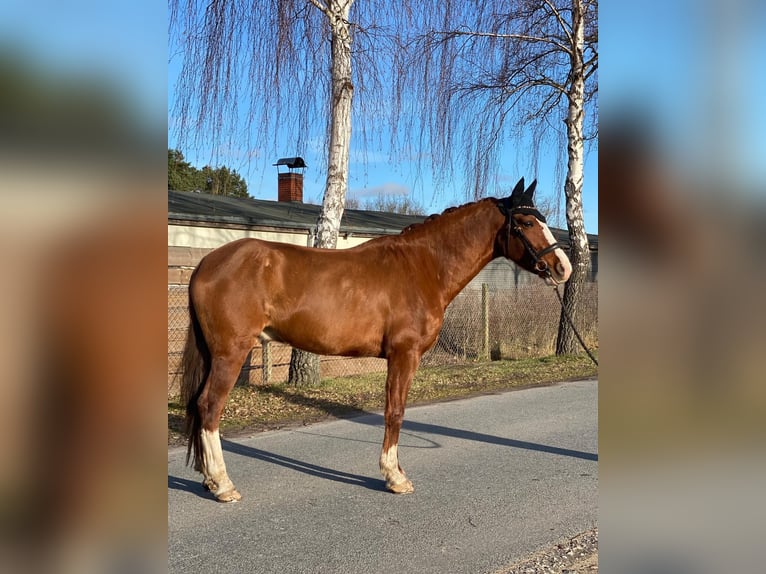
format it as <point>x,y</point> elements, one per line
<point>528,210</point>
<point>507,208</point>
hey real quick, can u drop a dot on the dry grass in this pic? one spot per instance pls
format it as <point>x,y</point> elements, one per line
<point>523,322</point>
<point>256,408</point>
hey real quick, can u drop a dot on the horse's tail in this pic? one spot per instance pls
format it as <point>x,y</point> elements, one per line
<point>195,364</point>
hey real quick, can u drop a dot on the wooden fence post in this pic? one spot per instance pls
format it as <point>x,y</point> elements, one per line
<point>484,322</point>
<point>266,362</point>
<point>245,374</point>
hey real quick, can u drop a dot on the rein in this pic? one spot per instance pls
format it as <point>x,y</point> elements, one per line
<point>571,324</point>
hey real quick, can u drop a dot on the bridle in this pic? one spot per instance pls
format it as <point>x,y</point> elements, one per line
<point>515,229</point>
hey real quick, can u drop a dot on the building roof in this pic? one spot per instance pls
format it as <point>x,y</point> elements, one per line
<point>205,209</point>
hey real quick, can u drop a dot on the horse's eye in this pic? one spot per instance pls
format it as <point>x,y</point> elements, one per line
<point>527,224</point>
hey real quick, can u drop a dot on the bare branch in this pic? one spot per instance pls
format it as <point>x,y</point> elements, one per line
<point>321,7</point>
<point>521,37</point>
<point>591,66</point>
<point>562,23</point>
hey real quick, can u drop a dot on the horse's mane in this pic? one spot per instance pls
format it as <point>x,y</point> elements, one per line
<point>428,221</point>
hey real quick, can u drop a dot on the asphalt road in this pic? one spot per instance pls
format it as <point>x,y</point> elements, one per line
<point>496,477</point>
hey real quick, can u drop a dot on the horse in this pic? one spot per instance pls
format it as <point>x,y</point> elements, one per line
<point>384,298</point>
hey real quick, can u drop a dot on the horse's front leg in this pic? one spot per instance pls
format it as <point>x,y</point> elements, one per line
<point>401,368</point>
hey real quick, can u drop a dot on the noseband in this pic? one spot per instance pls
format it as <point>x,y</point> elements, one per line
<point>515,229</point>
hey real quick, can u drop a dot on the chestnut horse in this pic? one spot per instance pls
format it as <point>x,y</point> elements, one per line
<point>384,298</point>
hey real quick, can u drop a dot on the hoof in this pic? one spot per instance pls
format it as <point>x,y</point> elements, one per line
<point>229,496</point>
<point>404,487</point>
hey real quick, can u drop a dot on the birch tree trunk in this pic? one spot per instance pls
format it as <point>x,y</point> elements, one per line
<point>334,200</point>
<point>304,367</point>
<point>566,342</point>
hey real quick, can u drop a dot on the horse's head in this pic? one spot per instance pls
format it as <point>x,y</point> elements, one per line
<point>527,240</point>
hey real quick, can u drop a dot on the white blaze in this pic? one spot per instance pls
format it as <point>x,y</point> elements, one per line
<point>559,253</point>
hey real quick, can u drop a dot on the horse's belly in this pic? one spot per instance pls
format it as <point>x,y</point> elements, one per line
<point>350,338</point>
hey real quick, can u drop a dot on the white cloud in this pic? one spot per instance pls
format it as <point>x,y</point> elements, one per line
<point>389,188</point>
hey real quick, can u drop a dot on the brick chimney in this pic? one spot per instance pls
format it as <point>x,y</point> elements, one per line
<point>290,187</point>
<point>290,183</point>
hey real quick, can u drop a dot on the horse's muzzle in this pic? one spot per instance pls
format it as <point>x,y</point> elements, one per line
<point>559,274</point>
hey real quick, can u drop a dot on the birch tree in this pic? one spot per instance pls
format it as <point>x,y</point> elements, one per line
<point>342,92</point>
<point>488,73</point>
<point>581,69</point>
<point>272,57</point>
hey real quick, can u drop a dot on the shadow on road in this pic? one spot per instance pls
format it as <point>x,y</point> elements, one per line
<point>499,440</point>
<point>375,419</point>
<point>192,486</point>
<point>195,487</point>
<point>305,467</point>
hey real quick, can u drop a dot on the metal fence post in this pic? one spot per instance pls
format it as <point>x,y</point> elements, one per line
<point>266,362</point>
<point>485,322</point>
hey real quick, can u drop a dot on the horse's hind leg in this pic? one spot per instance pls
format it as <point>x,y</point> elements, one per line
<point>401,368</point>
<point>223,375</point>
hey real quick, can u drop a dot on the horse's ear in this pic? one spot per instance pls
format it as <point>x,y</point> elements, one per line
<point>517,192</point>
<point>530,192</point>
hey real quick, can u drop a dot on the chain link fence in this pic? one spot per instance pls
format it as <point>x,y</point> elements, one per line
<point>491,319</point>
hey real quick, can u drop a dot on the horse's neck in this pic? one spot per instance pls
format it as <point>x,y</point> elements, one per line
<point>464,245</point>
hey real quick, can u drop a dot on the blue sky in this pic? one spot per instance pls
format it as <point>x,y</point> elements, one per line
<point>374,174</point>
<point>372,171</point>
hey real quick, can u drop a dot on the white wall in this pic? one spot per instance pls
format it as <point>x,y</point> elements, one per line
<point>212,237</point>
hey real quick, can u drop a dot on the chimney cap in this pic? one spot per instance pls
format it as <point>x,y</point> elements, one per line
<point>291,162</point>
